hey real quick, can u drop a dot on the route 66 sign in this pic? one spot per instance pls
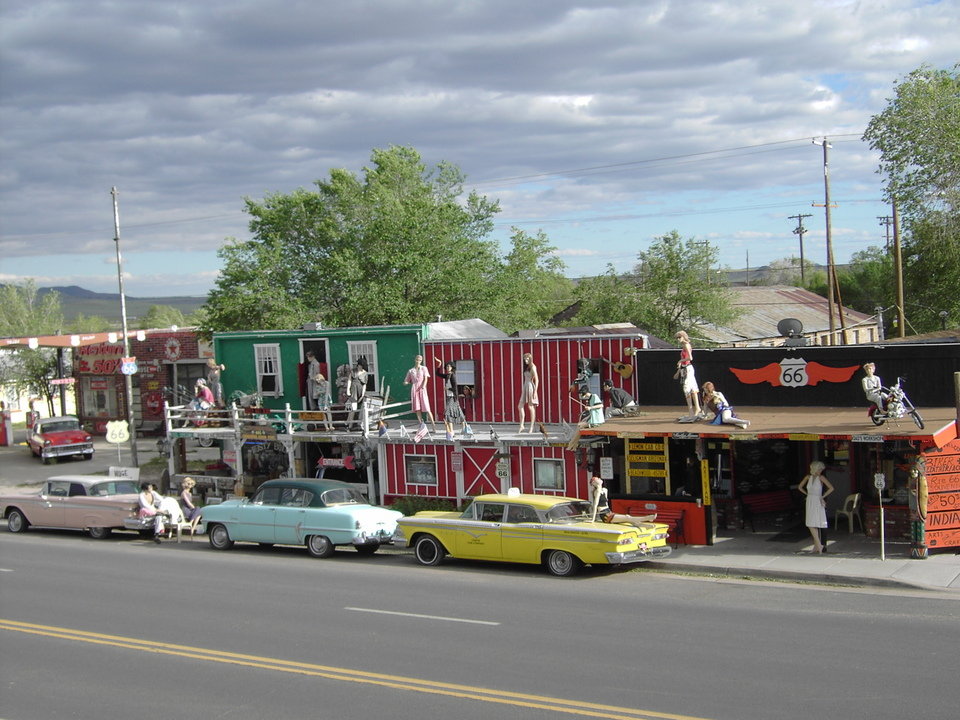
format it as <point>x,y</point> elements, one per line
<point>793,372</point>
<point>128,366</point>
<point>117,431</point>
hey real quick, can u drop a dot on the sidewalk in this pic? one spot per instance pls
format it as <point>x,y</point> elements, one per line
<point>850,559</point>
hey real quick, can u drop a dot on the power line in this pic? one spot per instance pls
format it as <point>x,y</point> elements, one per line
<point>652,160</point>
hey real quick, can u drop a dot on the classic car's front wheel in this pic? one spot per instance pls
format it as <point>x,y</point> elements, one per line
<point>88,456</point>
<point>16,522</point>
<point>99,533</point>
<point>368,549</point>
<point>219,537</point>
<point>429,550</point>
<point>319,546</point>
<point>561,563</point>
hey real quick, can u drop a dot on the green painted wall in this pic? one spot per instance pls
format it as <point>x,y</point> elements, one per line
<point>396,348</point>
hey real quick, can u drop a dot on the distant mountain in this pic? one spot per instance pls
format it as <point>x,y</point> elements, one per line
<point>76,300</point>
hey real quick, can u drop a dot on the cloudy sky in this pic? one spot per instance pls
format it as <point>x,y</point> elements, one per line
<point>604,124</point>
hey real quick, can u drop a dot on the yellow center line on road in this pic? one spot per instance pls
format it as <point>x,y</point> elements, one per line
<point>397,682</point>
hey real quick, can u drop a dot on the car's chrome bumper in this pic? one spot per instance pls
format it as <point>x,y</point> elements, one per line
<point>64,450</point>
<point>635,556</point>
<point>368,537</point>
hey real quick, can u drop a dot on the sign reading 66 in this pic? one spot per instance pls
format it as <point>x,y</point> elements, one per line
<point>117,431</point>
<point>793,372</point>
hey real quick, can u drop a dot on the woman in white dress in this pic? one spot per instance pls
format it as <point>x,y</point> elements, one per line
<point>816,487</point>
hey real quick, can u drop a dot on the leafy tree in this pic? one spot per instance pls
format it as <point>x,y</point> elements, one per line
<point>530,285</point>
<point>931,260</point>
<point>918,136</point>
<point>162,316</point>
<point>395,245</point>
<point>25,313</point>
<point>90,323</point>
<point>673,287</point>
<point>868,282</point>
<point>786,271</point>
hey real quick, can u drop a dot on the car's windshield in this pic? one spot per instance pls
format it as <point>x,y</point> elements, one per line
<point>565,512</point>
<point>341,496</point>
<point>59,426</point>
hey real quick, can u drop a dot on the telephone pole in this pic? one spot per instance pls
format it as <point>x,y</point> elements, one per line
<point>886,220</point>
<point>898,269</point>
<point>831,269</point>
<point>131,419</point>
<point>800,230</point>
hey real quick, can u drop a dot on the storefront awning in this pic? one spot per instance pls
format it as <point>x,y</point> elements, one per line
<point>794,423</point>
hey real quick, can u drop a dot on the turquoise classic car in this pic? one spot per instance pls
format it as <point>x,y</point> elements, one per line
<point>320,514</point>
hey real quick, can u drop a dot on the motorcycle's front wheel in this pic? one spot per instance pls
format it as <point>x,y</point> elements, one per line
<point>917,419</point>
<point>878,417</point>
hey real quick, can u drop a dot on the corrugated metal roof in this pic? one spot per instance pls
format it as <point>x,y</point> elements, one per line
<point>473,329</point>
<point>762,307</point>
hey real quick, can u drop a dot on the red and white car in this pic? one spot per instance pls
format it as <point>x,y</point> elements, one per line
<point>58,437</point>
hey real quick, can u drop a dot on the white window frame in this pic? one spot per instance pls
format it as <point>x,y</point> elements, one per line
<point>562,477</point>
<point>420,459</point>
<point>266,359</point>
<point>367,349</point>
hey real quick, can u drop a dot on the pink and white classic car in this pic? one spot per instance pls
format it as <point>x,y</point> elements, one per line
<point>97,505</point>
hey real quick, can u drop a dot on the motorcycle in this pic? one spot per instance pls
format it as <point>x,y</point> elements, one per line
<point>898,405</point>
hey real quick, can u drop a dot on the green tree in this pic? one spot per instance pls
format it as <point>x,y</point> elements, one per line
<point>674,287</point>
<point>868,283</point>
<point>90,324</point>
<point>918,137</point>
<point>162,316</point>
<point>396,245</point>
<point>26,313</point>
<point>931,260</point>
<point>530,285</point>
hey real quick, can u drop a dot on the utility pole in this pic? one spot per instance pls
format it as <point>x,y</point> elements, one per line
<point>898,271</point>
<point>800,230</point>
<point>131,420</point>
<point>831,270</point>
<point>886,220</point>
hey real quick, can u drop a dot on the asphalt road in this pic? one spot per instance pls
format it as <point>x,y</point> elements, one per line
<point>122,627</point>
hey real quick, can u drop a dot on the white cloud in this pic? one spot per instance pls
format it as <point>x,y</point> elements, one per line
<point>617,110</point>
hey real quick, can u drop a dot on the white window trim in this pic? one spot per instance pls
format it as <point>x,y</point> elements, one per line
<point>563,475</point>
<point>423,458</point>
<point>261,352</point>
<point>367,348</point>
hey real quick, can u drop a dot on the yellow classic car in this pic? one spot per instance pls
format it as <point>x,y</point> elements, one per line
<point>556,532</point>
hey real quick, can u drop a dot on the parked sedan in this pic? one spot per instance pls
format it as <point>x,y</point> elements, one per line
<point>554,531</point>
<point>59,437</point>
<point>320,514</point>
<point>75,502</point>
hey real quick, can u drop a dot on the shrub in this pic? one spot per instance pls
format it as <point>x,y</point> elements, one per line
<point>412,504</point>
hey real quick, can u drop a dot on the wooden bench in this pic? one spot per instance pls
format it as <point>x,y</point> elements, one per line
<point>775,502</point>
<point>671,517</point>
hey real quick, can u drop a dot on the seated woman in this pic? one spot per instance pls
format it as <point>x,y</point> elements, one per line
<point>715,402</point>
<point>598,494</point>
<point>186,498</point>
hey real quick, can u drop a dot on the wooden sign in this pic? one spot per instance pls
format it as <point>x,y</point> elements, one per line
<point>943,483</point>
<point>949,520</point>
<point>942,464</point>
<point>943,538</point>
<point>939,502</point>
